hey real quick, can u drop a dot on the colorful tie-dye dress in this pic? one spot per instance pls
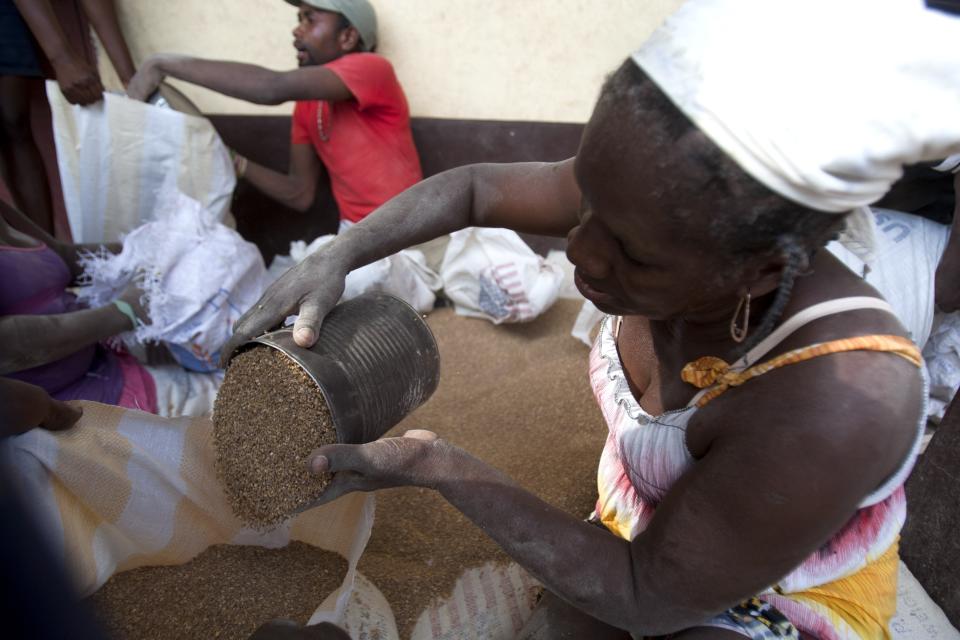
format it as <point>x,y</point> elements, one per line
<point>846,590</point>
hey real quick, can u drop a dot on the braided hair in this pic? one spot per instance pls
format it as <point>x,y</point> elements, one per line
<point>746,218</point>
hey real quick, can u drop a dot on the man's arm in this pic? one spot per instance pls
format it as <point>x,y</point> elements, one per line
<point>296,189</point>
<point>79,81</point>
<point>103,16</point>
<point>239,80</point>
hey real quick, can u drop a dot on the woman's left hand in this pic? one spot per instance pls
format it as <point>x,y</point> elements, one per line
<point>415,459</point>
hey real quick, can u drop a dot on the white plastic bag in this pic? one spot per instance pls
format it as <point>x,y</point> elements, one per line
<point>942,355</point>
<point>117,157</point>
<point>404,274</point>
<point>198,278</point>
<point>493,274</point>
<point>905,258</point>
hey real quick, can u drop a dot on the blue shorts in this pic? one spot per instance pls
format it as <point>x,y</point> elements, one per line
<point>18,52</point>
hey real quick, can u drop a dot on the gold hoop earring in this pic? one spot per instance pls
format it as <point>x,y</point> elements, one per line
<point>739,331</point>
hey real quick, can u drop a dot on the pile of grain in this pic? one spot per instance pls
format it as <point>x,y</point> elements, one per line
<point>516,396</point>
<point>225,592</point>
<point>269,415</point>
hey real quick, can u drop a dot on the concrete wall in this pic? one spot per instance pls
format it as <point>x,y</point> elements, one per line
<point>498,59</point>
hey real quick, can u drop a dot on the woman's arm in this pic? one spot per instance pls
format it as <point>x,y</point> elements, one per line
<point>70,253</point>
<point>787,469</point>
<point>531,197</point>
<point>31,341</point>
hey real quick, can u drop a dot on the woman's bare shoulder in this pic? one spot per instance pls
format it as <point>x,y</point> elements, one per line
<point>853,410</point>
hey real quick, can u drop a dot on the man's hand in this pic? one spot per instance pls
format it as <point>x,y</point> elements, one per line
<point>25,406</point>
<point>79,82</point>
<point>146,80</point>
<point>312,289</point>
<point>416,459</point>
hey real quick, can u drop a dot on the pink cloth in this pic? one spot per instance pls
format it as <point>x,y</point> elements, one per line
<point>34,282</point>
<point>139,388</point>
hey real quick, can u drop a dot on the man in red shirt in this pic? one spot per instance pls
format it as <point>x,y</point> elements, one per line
<point>351,113</point>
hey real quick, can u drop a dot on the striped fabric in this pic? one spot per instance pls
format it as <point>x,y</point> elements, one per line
<point>494,601</point>
<point>120,161</point>
<point>126,489</point>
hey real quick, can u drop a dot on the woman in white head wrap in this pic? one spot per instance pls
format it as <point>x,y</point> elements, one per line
<point>759,499</point>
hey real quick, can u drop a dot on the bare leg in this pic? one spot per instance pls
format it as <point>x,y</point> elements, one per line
<point>22,165</point>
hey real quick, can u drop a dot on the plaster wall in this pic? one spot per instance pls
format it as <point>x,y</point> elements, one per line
<point>498,59</point>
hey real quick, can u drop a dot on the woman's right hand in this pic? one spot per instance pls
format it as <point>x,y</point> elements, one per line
<point>310,289</point>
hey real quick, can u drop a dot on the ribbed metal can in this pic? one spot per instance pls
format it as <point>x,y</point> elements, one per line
<point>375,361</point>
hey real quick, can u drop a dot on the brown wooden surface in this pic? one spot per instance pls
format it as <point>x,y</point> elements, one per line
<point>442,145</point>
<point>930,542</point>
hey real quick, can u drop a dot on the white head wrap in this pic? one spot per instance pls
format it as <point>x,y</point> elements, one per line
<point>823,101</point>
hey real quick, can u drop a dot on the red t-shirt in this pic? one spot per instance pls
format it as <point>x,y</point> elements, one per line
<point>365,143</point>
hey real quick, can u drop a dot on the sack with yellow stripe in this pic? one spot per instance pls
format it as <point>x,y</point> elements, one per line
<point>125,489</point>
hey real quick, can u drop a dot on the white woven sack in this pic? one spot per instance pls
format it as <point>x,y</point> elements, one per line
<point>197,275</point>
<point>492,602</point>
<point>125,489</point>
<point>116,156</point>
<point>942,355</point>
<point>905,256</point>
<point>918,617</point>
<point>493,274</point>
